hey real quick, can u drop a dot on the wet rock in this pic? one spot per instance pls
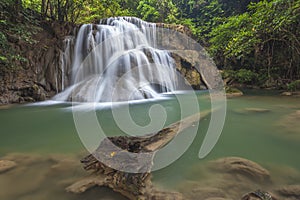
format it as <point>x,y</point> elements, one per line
<point>165,195</point>
<point>6,165</point>
<point>186,63</point>
<point>85,184</point>
<point>236,165</point>
<point>42,66</point>
<point>286,94</point>
<point>291,191</point>
<point>295,94</point>
<point>252,110</point>
<point>100,180</point>
<point>233,92</point>
<point>37,176</point>
<point>7,106</point>
<point>258,195</point>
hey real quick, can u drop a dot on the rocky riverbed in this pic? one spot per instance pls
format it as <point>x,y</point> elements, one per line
<point>34,177</point>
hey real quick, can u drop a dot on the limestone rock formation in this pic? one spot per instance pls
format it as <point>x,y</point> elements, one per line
<point>241,166</point>
<point>38,78</point>
<point>186,63</point>
<point>6,165</point>
<point>291,191</point>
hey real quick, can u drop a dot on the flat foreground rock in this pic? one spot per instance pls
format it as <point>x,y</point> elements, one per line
<point>6,165</point>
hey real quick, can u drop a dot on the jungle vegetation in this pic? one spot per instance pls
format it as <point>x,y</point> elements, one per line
<point>252,41</point>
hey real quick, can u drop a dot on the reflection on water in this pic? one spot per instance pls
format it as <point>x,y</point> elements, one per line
<point>42,140</point>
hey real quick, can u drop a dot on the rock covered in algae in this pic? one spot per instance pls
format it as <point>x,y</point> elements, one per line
<point>241,166</point>
<point>259,195</point>
<point>6,165</point>
<point>233,92</point>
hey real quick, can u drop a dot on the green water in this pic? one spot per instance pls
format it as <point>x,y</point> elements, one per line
<point>39,137</point>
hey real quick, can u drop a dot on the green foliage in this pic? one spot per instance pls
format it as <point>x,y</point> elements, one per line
<point>242,76</point>
<point>245,76</point>
<point>94,10</point>
<point>3,59</point>
<point>261,39</point>
<point>293,86</point>
<point>3,45</point>
<point>257,39</point>
<point>148,11</point>
<point>201,16</point>
<point>15,28</point>
<point>157,11</point>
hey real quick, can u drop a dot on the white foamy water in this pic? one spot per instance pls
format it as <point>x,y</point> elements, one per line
<point>116,60</point>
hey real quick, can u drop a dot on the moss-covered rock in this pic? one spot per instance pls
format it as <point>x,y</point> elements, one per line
<point>233,92</point>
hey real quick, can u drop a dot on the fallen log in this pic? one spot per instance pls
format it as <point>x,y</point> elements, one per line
<point>128,162</point>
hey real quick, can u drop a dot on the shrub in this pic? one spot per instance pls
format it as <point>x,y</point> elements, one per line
<point>293,86</point>
<point>242,76</point>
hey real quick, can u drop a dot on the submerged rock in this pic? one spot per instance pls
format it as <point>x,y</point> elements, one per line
<point>252,110</point>
<point>290,123</point>
<point>206,193</point>
<point>241,166</point>
<point>257,110</point>
<point>6,165</point>
<point>84,184</point>
<point>291,191</point>
<point>100,180</point>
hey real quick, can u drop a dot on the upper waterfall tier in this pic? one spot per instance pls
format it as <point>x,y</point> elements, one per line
<point>117,60</point>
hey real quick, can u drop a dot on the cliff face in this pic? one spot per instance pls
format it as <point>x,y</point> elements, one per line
<point>35,76</point>
<point>39,76</point>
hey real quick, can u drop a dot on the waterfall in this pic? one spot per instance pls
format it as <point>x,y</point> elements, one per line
<point>117,60</point>
<point>66,60</point>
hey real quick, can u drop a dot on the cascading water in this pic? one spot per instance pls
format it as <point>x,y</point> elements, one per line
<point>116,60</point>
<point>66,60</point>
